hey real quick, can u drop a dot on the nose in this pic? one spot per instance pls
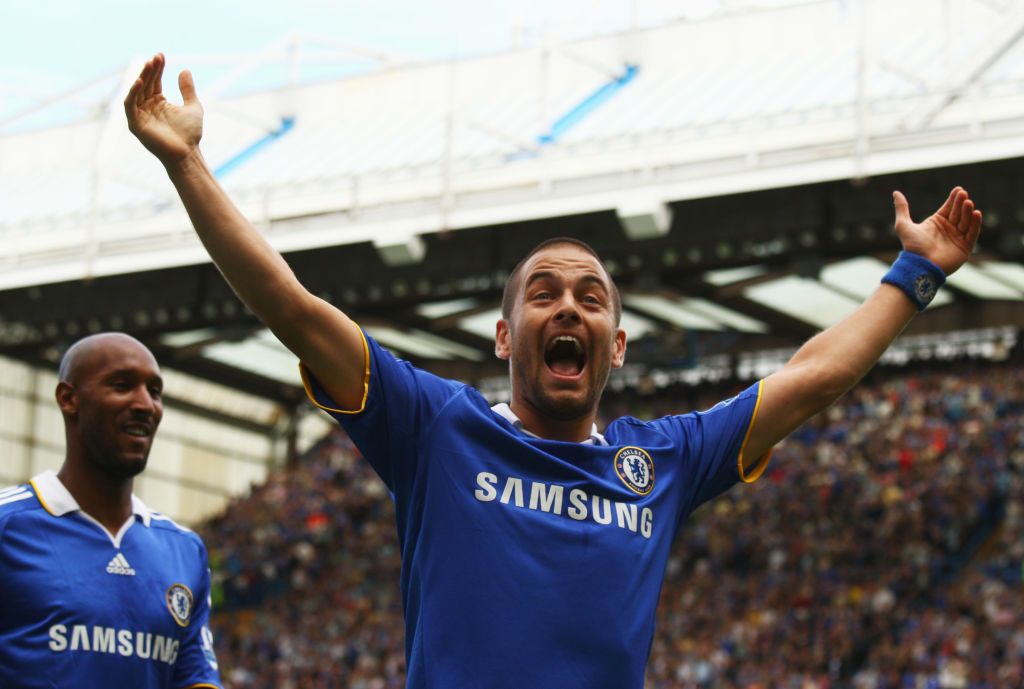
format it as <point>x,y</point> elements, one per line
<point>144,404</point>
<point>568,309</point>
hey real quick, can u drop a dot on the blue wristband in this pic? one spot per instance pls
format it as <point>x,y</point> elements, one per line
<point>918,277</point>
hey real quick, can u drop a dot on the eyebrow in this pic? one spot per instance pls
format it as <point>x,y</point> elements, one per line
<point>537,277</point>
<point>549,275</point>
<point>157,378</point>
<point>595,279</point>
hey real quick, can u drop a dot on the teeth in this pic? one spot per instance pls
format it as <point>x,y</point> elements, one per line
<point>139,432</point>
<point>574,341</point>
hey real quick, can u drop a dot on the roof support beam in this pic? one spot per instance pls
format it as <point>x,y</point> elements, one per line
<point>967,72</point>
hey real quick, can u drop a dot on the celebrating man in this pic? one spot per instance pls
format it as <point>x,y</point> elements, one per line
<point>534,545</point>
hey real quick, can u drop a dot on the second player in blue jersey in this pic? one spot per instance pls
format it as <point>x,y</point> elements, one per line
<point>98,590</point>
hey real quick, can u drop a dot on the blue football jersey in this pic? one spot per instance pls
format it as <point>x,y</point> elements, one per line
<point>83,608</point>
<point>529,562</point>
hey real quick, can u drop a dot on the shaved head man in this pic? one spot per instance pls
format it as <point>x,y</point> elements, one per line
<point>110,394</point>
<point>99,589</point>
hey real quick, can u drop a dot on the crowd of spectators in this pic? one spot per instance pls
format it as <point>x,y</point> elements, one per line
<point>970,635</point>
<point>305,572</point>
<point>813,580</point>
<point>880,551</point>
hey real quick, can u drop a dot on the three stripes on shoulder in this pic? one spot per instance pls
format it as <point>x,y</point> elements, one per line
<point>14,494</point>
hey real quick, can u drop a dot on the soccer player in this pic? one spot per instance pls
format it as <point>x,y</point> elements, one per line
<point>98,590</point>
<point>534,545</point>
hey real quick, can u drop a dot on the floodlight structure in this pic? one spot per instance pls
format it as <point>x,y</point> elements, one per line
<point>671,147</point>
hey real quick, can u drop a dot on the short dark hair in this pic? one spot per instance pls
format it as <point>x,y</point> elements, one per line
<point>508,296</point>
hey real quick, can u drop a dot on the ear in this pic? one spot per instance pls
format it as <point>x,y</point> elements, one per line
<point>67,400</point>
<point>502,340</point>
<point>619,355</point>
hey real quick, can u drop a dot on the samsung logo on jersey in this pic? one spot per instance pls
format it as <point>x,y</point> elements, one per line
<point>123,642</point>
<point>577,504</point>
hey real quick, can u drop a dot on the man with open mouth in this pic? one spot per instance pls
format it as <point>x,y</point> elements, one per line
<point>99,590</point>
<point>533,543</point>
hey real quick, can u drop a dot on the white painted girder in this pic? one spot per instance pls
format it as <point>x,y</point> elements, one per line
<point>338,196</point>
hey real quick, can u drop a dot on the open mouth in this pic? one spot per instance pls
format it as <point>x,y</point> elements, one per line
<point>564,355</point>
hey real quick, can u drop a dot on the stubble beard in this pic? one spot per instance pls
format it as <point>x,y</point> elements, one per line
<point>572,407</point>
<point>110,459</point>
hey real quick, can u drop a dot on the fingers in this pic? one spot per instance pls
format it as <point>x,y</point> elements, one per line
<point>957,213</point>
<point>131,101</point>
<point>137,92</point>
<point>899,202</point>
<point>947,207</point>
<point>966,211</point>
<point>148,84</point>
<point>187,87</point>
<point>147,79</point>
<point>155,69</point>
<point>973,228</point>
<point>966,220</point>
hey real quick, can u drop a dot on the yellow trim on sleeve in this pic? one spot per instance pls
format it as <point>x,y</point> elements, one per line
<point>366,382</point>
<point>39,497</point>
<point>202,686</point>
<point>762,462</point>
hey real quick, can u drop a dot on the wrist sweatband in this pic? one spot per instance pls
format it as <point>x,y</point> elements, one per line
<point>918,277</point>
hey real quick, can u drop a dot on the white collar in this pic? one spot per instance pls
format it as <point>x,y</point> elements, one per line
<point>504,411</point>
<point>58,501</point>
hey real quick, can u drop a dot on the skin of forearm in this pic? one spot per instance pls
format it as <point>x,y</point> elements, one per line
<point>842,355</point>
<point>828,365</point>
<point>254,269</point>
<point>319,334</point>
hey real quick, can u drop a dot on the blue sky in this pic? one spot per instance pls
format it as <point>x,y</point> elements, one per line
<point>50,46</point>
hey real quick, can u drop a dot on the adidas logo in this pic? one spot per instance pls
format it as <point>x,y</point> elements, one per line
<point>119,565</point>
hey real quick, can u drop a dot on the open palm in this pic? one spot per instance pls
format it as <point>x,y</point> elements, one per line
<point>171,132</point>
<point>946,237</point>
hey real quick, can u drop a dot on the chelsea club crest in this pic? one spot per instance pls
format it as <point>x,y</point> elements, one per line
<point>179,602</point>
<point>636,469</point>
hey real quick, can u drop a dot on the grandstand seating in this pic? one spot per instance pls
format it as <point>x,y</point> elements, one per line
<point>853,564</point>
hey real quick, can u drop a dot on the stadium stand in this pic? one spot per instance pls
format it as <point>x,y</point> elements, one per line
<point>739,190</point>
<point>678,151</point>
<point>880,551</point>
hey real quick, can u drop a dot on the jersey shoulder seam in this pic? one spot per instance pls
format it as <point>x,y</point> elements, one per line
<point>654,426</point>
<point>165,523</point>
<point>458,390</point>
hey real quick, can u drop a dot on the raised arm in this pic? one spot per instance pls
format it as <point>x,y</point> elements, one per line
<point>831,362</point>
<point>323,337</point>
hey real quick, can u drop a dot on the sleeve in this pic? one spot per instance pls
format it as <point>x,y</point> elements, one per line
<point>399,405</point>
<point>713,443</point>
<point>196,665</point>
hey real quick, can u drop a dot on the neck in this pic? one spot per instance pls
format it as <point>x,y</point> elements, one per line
<point>106,499</point>
<point>569,430</point>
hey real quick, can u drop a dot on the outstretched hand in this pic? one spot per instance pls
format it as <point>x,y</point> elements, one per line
<point>947,237</point>
<point>170,132</point>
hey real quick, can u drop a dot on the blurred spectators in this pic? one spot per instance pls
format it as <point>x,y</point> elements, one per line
<point>306,570</point>
<point>847,566</point>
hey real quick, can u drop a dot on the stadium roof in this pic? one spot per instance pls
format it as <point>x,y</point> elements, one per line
<point>733,171</point>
